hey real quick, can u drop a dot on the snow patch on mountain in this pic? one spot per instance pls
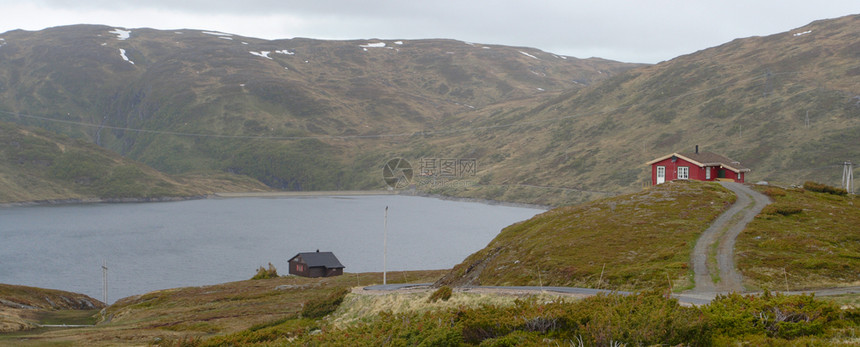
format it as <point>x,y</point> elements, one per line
<point>373,45</point>
<point>121,34</point>
<point>124,57</point>
<point>529,55</point>
<point>216,33</point>
<point>264,54</point>
<point>284,51</point>
<point>802,33</point>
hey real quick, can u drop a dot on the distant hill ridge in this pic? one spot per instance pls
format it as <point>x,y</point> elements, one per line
<point>303,114</point>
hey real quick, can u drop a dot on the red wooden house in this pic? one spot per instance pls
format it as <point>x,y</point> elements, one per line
<point>704,166</point>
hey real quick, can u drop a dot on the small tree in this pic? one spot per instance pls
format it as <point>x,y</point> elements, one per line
<point>263,273</point>
<point>443,293</point>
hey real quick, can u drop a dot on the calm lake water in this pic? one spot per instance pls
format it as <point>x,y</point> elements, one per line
<point>151,246</point>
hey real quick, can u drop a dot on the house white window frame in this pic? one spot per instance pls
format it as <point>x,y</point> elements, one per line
<point>683,172</point>
<point>708,173</point>
<point>661,170</point>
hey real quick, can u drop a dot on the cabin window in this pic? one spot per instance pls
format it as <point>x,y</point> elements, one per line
<point>707,173</point>
<point>683,172</point>
<point>299,267</point>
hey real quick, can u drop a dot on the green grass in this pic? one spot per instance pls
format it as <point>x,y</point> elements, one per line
<point>640,238</point>
<point>811,236</point>
<point>68,317</point>
<point>713,267</point>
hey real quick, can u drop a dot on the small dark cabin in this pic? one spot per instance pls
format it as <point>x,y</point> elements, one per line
<point>315,264</point>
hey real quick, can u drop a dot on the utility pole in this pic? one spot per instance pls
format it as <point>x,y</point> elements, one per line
<point>848,177</point>
<point>104,281</point>
<point>767,85</point>
<point>385,249</point>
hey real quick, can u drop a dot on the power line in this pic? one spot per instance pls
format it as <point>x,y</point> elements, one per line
<point>767,76</point>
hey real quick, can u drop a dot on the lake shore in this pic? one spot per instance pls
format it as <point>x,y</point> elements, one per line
<point>270,194</point>
<point>81,201</point>
<point>326,193</point>
<point>297,194</point>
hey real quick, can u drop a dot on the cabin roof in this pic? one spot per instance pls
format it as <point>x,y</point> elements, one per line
<point>319,259</point>
<point>703,159</point>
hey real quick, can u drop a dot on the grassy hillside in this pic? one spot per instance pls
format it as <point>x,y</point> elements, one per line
<point>38,165</point>
<point>191,313</point>
<point>300,311</point>
<point>22,308</point>
<point>803,240</point>
<point>628,242</point>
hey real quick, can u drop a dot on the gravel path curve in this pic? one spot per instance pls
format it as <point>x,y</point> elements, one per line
<point>723,233</point>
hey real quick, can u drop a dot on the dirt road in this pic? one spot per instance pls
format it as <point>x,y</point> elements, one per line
<point>718,244</point>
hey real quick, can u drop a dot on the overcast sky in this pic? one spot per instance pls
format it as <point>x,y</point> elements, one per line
<point>631,31</point>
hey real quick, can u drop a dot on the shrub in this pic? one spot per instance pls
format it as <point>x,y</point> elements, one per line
<point>784,210</point>
<point>780,316</point>
<point>823,188</point>
<point>641,319</point>
<point>263,273</point>
<point>443,293</point>
<point>773,192</point>
<point>321,307</point>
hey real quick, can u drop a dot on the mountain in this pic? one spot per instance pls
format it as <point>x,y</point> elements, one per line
<point>519,124</point>
<point>39,165</point>
<point>785,105</point>
<point>281,111</point>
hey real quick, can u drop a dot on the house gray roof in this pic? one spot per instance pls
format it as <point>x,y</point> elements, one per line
<point>713,159</point>
<point>703,159</point>
<point>318,259</point>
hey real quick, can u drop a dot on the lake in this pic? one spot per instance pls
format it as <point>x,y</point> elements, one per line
<point>152,246</point>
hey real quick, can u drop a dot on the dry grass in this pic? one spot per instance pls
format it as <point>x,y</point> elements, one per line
<point>198,312</point>
<point>359,307</point>
<point>844,300</point>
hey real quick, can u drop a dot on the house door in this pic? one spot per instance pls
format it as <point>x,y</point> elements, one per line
<point>661,174</point>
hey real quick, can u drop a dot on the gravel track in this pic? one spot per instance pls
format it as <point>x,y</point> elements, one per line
<point>724,231</point>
